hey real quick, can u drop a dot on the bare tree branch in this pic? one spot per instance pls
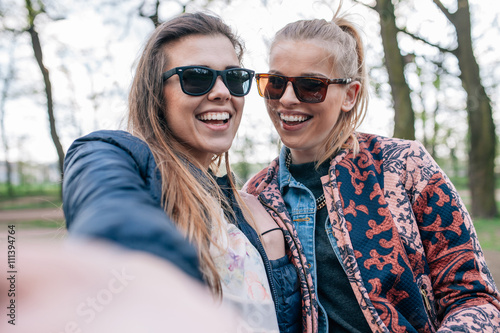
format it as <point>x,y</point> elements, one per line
<point>37,49</point>
<point>445,10</point>
<point>440,48</point>
<point>363,4</point>
<point>153,17</point>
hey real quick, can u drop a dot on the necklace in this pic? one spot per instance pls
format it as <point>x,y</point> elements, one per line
<point>320,201</point>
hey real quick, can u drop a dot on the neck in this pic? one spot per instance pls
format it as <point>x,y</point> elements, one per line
<point>300,157</point>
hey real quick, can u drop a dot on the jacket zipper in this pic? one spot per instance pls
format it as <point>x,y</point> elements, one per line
<point>427,304</point>
<point>274,210</point>
<point>269,273</point>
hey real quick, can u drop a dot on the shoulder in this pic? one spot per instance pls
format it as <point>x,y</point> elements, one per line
<point>116,138</point>
<point>405,161</point>
<point>110,144</point>
<point>391,149</point>
<point>373,142</point>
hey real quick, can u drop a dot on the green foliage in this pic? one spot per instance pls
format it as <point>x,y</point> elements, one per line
<point>244,171</point>
<point>460,182</point>
<point>488,233</point>
<point>31,196</point>
<point>29,189</point>
<point>37,224</point>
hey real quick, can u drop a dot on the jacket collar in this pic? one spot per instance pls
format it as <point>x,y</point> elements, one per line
<point>284,175</point>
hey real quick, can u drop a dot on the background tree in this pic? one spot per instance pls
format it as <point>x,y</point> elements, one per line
<point>404,116</point>
<point>482,147</point>
<point>90,55</point>
<point>7,79</point>
<point>481,126</point>
<point>37,49</point>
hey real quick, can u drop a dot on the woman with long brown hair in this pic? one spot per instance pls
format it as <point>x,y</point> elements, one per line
<point>156,189</point>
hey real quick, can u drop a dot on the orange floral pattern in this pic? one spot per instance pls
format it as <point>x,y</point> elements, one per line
<point>406,241</point>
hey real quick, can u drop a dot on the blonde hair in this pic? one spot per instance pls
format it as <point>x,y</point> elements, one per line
<point>343,41</point>
<point>192,202</point>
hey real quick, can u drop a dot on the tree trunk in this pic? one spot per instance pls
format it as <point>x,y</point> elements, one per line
<point>37,48</point>
<point>404,117</point>
<point>8,165</point>
<point>482,147</point>
<point>5,94</point>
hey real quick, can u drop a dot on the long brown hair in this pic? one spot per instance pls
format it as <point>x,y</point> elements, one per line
<point>343,41</point>
<point>193,202</point>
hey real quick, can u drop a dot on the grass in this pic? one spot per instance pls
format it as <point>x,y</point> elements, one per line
<point>34,203</point>
<point>488,233</point>
<point>30,196</point>
<point>28,189</point>
<point>36,224</point>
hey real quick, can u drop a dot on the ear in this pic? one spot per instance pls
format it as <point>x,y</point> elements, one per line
<point>350,96</point>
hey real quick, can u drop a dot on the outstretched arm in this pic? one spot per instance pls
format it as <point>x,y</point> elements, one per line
<point>107,194</point>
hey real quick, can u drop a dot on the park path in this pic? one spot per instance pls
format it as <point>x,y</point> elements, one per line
<point>19,215</point>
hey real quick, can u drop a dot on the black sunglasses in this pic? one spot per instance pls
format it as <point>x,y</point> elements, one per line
<point>307,89</point>
<point>198,80</point>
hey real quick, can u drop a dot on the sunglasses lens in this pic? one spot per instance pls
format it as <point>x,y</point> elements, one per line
<point>310,90</point>
<point>197,81</point>
<point>238,81</point>
<point>271,86</point>
<point>306,89</point>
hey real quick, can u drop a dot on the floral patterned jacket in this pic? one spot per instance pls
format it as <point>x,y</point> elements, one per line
<point>406,240</point>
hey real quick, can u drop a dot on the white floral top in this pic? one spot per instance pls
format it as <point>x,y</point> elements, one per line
<point>244,281</point>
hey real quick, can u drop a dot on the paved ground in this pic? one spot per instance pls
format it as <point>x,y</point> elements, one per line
<point>56,214</point>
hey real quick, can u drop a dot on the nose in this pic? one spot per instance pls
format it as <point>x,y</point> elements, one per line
<point>289,96</point>
<point>219,90</point>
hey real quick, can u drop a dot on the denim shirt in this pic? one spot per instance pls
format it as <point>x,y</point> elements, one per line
<point>301,205</point>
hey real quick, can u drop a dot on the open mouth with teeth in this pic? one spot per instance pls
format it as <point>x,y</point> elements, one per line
<point>293,119</point>
<point>214,118</point>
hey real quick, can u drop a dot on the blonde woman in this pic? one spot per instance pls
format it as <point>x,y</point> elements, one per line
<point>155,187</point>
<point>387,242</point>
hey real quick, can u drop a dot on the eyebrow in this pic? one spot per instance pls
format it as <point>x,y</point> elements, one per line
<point>207,66</point>
<point>311,74</point>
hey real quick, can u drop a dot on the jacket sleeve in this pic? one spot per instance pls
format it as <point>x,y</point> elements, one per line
<point>466,297</point>
<point>106,196</point>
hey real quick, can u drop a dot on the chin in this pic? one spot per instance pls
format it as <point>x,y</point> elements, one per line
<point>220,150</point>
<point>219,146</point>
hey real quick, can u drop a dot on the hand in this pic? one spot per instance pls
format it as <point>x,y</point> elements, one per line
<point>98,287</point>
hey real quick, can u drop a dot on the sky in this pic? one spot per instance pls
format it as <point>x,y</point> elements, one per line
<point>92,53</point>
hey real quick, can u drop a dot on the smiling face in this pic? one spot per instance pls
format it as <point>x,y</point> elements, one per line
<point>304,127</point>
<point>205,125</point>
